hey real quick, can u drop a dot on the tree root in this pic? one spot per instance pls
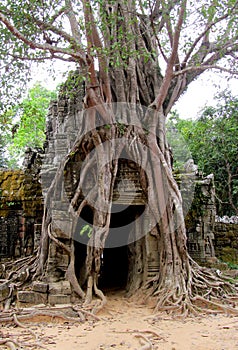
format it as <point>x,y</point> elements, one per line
<point>81,311</point>
<point>62,312</point>
<point>36,313</point>
<point>16,274</point>
<point>205,292</point>
<point>15,317</point>
<point>21,325</point>
<point>92,286</point>
<point>11,344</point>
<point>145,342</point>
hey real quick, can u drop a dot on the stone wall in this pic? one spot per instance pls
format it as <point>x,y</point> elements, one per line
<point>21,208</point>
<point>226,241</point>
<point>200,220</point>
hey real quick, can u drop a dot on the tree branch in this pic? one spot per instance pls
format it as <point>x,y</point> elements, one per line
<point>42,58</point>
<point>73,22</point>
<point>57,14</point>
<point>34,45</point>
<point>204,67</point>
<point>203,35</point>
<point>173,57</point>
<point>47,26</point>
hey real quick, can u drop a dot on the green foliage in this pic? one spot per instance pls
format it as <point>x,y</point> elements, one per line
<point>232,266</point>
<point>178,143</point>
<point>86,230</point>
<point>212,140</point>
<point>23,125</point>
<point>3,161</point>
<point>5,136</point>
<point>121,128</point>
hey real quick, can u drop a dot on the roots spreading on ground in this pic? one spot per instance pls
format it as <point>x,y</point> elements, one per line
<point>209,292</point>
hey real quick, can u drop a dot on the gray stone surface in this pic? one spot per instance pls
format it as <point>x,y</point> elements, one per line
<point>31,297</point>
<point>54,299</point>
<point>40,287</point>
<point>61,287</point>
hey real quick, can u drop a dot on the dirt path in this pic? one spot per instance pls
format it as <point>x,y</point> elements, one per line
<point>124,324</point>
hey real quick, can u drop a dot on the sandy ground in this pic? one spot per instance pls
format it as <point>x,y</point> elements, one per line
<point>123,325</point>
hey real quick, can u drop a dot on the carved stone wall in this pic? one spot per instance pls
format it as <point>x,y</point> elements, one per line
<point>200,220</point>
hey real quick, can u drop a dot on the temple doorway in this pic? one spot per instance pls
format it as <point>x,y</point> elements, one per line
<point>115,257</point>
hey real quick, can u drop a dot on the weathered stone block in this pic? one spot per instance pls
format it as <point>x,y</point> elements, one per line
<point>63,263</point>
<point>59,299</point>
<point>62,287</point>
<point>40,287</point>
<point>32,297</point>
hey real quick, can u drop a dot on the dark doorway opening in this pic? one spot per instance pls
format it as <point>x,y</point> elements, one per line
<point>115,258</point>
<point>114,270</point>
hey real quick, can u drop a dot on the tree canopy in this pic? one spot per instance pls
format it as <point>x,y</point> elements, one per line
<point>190,37</point>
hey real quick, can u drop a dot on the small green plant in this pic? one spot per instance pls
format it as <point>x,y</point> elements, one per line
<point>121,128</point>
<point>232,265</point>
<point>10,204</point>
<point>86,230</point>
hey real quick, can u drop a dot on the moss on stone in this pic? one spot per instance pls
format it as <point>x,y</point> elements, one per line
<point>18,189</point>
<point>229,254</point>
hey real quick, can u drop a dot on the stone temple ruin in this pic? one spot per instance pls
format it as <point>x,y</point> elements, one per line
<point>21,208</point>
<point>22,196</point>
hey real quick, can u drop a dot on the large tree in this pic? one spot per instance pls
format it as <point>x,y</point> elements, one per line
<point>121,48</point>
